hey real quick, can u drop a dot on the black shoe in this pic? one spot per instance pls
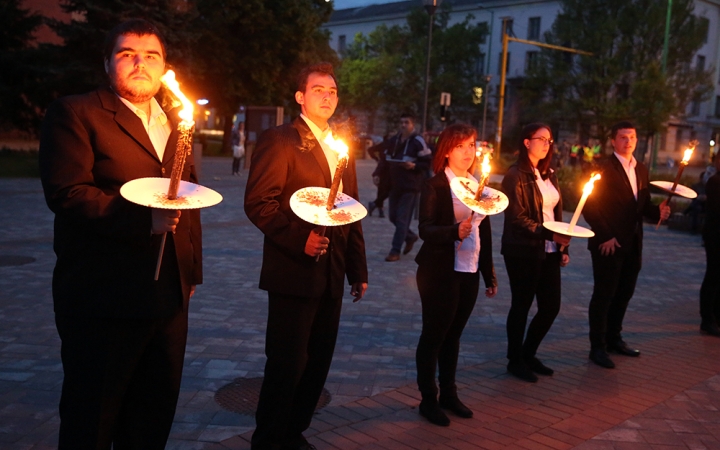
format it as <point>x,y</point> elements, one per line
<point>710,328</point>
<point>432,412</point>
<point>381,213</point>
<point>371,208</point>
<point>601,358</point>
<point>522,371</point>
<point>622,348</point>
<point>392,257</point>
<point>537,366</point>
<point>456,406</point>
<point>409,243</point>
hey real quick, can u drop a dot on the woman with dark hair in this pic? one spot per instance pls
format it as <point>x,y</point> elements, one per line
<point>456,244</point>
<point>531,251</point>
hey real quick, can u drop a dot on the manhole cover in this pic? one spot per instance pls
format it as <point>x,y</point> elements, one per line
<point>14,260</point>
<point>241,396</point>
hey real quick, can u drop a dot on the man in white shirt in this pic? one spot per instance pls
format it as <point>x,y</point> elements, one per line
<point>615,212</point>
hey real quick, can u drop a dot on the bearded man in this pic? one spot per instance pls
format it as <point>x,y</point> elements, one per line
<point>123,334</point>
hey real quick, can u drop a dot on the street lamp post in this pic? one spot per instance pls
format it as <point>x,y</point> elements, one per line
<point>485,100</point>
<point>430,7</point>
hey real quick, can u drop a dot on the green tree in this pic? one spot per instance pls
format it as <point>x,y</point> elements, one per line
<point>16,28</point>
<point>384,71</point>
<point>624,78</point>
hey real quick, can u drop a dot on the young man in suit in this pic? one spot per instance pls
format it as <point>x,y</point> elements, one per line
<point>302,271</point>
<point>123,334</point>
<point>615,212</point>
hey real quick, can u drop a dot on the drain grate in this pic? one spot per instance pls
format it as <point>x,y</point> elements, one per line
<point>241,396</point>
<point>15,260</point>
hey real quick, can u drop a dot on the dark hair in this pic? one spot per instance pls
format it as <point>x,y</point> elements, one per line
<point>527,133</point>
<point>624,125</point>
<point>448,140</point>
<point>137,27</point>
<point>324,68</point>
<point>407,116</point>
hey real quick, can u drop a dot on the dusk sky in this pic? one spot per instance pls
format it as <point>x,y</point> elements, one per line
<point>342,4</point>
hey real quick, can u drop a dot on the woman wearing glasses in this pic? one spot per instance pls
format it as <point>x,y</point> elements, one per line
<point>531,252</point>
<point>457,248</point>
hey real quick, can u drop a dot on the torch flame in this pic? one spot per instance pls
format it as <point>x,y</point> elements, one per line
<point>589,185</point>
<point>687,155</point>
<point>485,166</point>
<point>337,145</point>
<point>186,114</point>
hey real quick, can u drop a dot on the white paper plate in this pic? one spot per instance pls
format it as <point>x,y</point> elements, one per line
<point>562,228</point>
<point>309,205</point>
<point>152,192</point>
<point>680,190</point>
<point>492,201</point>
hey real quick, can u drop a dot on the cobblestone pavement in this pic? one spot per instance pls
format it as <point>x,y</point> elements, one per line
<point>667,398</point>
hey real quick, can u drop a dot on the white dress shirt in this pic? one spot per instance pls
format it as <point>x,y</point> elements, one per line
<point>629,167</point>
<point>550,199</point>
<point>157,125</point>
<point>468,255</point>
<point>330,154</point>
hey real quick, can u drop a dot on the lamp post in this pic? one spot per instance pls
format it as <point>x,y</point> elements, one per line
<point>485,100</point>
<point>430,7</point>
<point>666,40</point>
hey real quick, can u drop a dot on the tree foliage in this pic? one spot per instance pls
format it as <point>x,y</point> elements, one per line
<point>16,28</point>
<point>384,71</point>
<point>624,77</point>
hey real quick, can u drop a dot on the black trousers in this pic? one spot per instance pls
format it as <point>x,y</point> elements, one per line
<point>121,381</point>
<point>530,278</point>
<point>710,289</point>
<point>448,299</point>
<point>383,191</point>
<point>299,345</point>
<point>615,277</point>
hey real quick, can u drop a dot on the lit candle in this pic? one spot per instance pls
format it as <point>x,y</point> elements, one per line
<point>484,175</point>
<point>685,161</point>
<point>342,150</point>
<point>587,190</point>
<point>185,130</point>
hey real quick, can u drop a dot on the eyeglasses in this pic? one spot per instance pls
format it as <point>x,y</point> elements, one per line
<point>544,140</point>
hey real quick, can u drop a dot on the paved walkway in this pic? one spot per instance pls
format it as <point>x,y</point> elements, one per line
<point>667,398</point>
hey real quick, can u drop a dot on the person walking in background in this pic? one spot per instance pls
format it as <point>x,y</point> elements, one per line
<point>408,160</point>
<point>123,333</point>
<point>238,146</point>
<point>615,212</point>
<point>710,290</point>
<point>380,177</point>
<point>302,271</point>
<point>531,252</point>
<point>448,274</point>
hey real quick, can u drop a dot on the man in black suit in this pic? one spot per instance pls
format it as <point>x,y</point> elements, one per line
<point>305,294</point>
<point>615,212</point>
<point>123,334</point>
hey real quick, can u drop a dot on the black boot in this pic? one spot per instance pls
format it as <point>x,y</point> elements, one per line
<point>430,409</point>
<point>453,403</point>
<point>521,370</point>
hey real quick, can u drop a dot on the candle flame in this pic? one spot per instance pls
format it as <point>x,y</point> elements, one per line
<point>591,182</point>
<point>186,114</point>
<point>485,166</point>
<point>337,145</point>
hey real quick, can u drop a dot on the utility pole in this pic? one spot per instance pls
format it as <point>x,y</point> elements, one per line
<point>503,74</point>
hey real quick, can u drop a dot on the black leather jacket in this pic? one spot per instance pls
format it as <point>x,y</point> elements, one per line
<point>523,233</point>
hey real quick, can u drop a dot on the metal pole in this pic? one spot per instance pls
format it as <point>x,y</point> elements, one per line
<point>487,74</point>
<point>431,10</point>
<point>485,100</point>
<point>656,138</point>
<point>501,102</point>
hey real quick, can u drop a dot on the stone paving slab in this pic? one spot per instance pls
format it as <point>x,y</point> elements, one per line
<point>373,372</point>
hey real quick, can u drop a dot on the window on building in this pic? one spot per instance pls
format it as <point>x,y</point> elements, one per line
<point>480,64</point>
<point>342,44</point>
<point>507,65</point>
<point>531,60</point>
<point>695,106</point>
<point>483,39</point>
<point>533,28</point>
<point>705,26</point>
<point>508,28</point>
<point>678,139</point>
<point>700,65</point>
<point>717,106</point>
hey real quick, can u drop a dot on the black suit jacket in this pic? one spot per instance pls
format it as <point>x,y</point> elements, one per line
<point>288,158</point>
<point>612,211</point>
<point>439,231</point>
<point>90,146</point>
